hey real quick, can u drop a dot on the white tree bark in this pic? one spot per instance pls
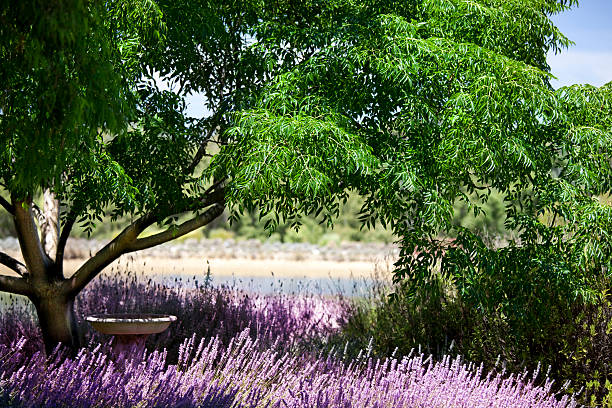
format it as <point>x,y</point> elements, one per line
<point>49,224</point>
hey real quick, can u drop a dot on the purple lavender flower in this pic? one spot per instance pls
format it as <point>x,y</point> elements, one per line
<point>243,374</point>
<point>236,349</point>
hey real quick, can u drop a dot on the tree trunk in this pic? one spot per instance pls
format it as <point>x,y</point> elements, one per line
<point>57,322</point>
<point>49,224</point>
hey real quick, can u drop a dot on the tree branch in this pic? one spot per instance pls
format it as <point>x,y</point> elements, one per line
<point>37,212</point>
<point>18,286</point>
<point>63,239</point>
<point>7,206</point>
<point>104,257</point>
<point>50,224</point>
<point>213,197</point>
<point>127,241</point>
<point>175,232</point>
<point>200,153</point>
<point>202,149</point>
<point>13,264</point>
<point>29,241</point>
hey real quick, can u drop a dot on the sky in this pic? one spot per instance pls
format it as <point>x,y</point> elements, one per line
<point>588,61</point>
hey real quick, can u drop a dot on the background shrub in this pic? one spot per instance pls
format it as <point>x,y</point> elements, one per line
<point>568,335</point>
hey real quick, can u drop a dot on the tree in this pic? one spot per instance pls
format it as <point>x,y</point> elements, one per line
<point>412,104</point>
<point>68,73</point>
<point>85,124</point>
<point>416,105</point>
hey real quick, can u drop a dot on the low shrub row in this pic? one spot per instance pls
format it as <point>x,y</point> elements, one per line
<point>243,374</point>
<point>234,349</point>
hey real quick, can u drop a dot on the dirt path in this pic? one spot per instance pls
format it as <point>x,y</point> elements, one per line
<point>239,267</point>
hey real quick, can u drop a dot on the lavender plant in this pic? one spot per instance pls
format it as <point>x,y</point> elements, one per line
<point>242,374</point>
<point>234,349</point>
<point>203,311</point>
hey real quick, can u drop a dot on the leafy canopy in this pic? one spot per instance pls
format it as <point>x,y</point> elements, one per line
<point>416,105</point>
<point>412,104</point>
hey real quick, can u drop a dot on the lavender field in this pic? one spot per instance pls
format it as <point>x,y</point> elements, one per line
<point>231,348</point>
